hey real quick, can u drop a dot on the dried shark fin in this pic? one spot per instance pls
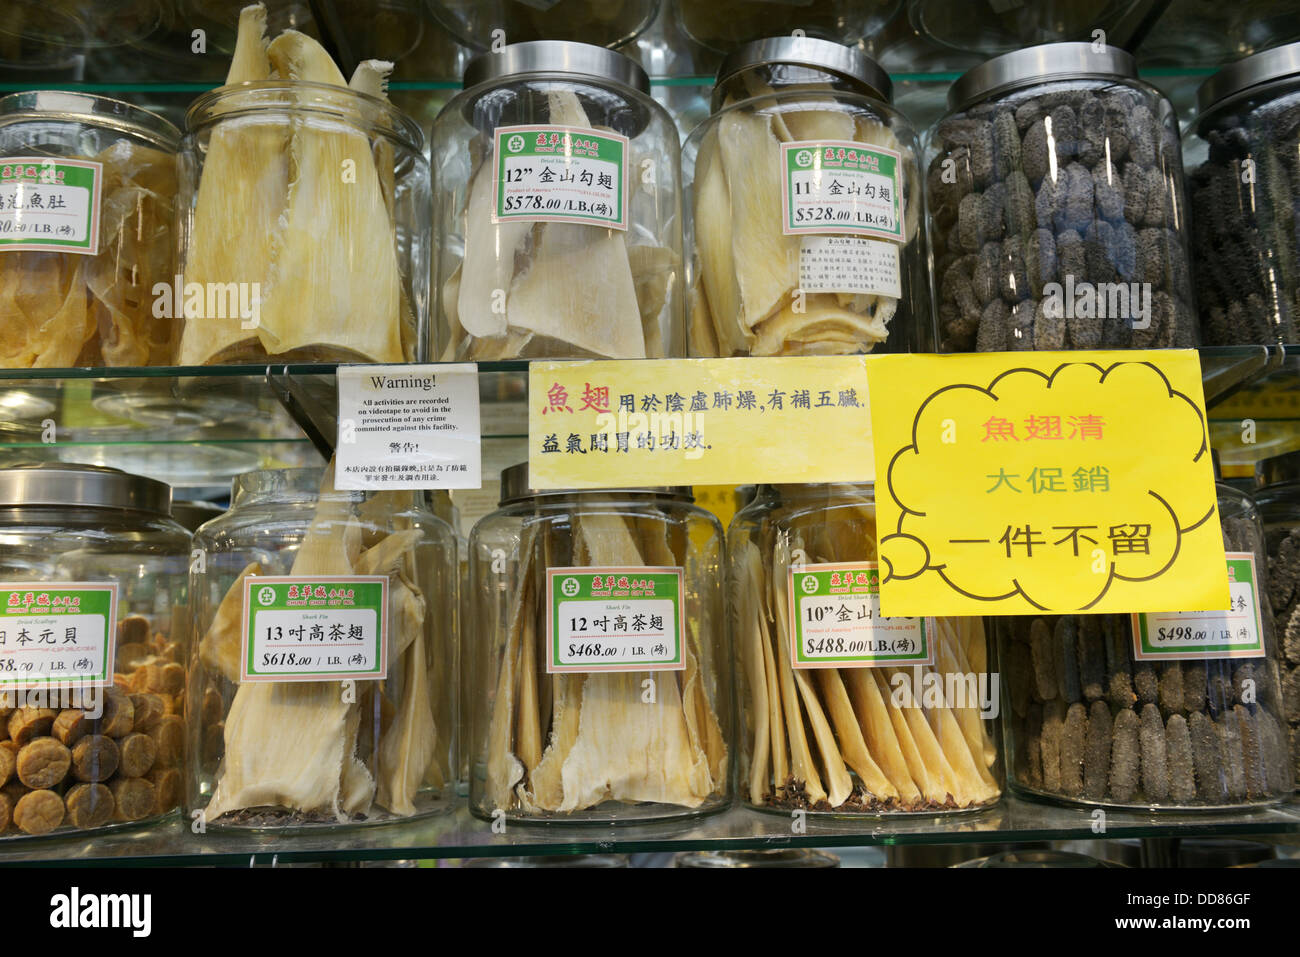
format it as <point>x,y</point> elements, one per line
<point>222,644</point>
<point>802,768</point>
<point>823,319</point>
<point>850,737</point>
<point>717,265</point>
<point>878,731</point>
<point>928,778</point>
<point>504,769</point>
<point>750,631</point>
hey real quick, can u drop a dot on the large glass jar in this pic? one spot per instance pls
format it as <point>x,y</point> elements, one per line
<point>598,656</point>
<point>87,186</point>
<point>1134,711</point>
<point>477,23</point>
<point>1243,153</point>
<point>558,209</point>
<point>324,662</point>
<point>305,213</point>
<point>843,710</point>
<point>990,27</point>
<point>804,188</point>
<point>92,674</point>
<point>1278,501</point>
<point>1057,216</point>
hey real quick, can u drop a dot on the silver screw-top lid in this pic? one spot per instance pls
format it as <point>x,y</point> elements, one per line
<point>1254,73</point>
<point>82,486</point>
<point>849,63</point>
<point>1278,469</point>
<point>1048,61</point>
<point>92,109</point>
<point>557,56</point>
<point>515,485</point>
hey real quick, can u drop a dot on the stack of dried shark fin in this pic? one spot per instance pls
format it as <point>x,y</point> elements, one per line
<point>559,289</point>
<point>322,749</point>
<point>60,309</point>
<point>744,297</point>
<point>565,743</point>
<point>301,205</point>
<point>880,740</point>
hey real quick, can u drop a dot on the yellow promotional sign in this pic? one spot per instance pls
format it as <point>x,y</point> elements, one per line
<point>1051,481</point>
<point>612,423</point>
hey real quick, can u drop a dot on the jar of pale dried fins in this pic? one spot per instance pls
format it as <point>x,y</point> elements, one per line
<point>324,663</point>
<point>92,649</point>
<point>805,227</point>
<point>1163,710</point>
<point>598,655</point>
<point>557,209</point>
<point>843,710</point>
<point>305,201</point>
<point>87,186</point>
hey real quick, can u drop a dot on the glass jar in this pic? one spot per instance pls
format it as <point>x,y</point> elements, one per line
<point>1243,187</point>
<point>558,209</point>
<point>324,659</point>
<point>1057,216</point>
<point>598,656</point>
<point>990,27</point>
<point>305,234</point>
<point>841,710</point>
<point>476,23</point>
<point>805,232</point>
<point>93,693</point>
<point>96,179</point>
<point>1124,711</point>
<point>1278,501</point>
<point>723,25</point>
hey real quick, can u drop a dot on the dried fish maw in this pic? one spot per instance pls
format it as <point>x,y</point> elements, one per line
<point>713,238</point>
<point>43,318</point>
<point>823,318</point>
<point>489,264</point>
<point>579,290</point>
<point>317,296</point>
<point>241,198</point>
<point>766,260</point>
<point>222,644</point>
<point>411,742</point>
<point>878,731</point>
<point>850,737</point>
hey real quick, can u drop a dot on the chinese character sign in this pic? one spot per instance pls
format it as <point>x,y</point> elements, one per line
<point>1013,484</point>
<point>661,422</point>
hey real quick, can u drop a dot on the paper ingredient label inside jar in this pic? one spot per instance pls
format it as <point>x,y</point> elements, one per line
<point>315,629</point>
<point>614,619</point>
<point>850,264</point>
<point>1189,635</point>
<point>835,621</point>
<point>49,203</point>
<point>560,174</point>
<point>54,634</point>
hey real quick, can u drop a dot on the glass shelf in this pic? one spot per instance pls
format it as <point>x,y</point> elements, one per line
<point>462,835</point>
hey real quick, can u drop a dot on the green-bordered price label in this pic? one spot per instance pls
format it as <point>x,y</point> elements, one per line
<point>614,618</point>
<point>315,629</point>
<point>836,186</point>
<point>560,174</point>
<point>1188,635</point>
<point>835,621</point>
<point>57,634</point>
<point>50,203</point>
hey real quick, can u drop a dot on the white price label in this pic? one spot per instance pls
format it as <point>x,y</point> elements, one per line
<point>850,264</point>
<point>835,187</point>
<point>315,629</point>
<point>55,634</point>
<point>1235,632</point>
<point>50,203</point>
<point>835,620</point>
<point>614,619</point>
<point>561,174</point>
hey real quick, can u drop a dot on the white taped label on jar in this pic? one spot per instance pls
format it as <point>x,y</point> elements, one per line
<point>560,174</point>
<point>835,621</point>
<point>614,618</point>
<point>57,634</point>
<point>50,203</point>
<point>309,628</point>
<point>1189,635</point>
<point>836,187</point>
<point>850,264</point>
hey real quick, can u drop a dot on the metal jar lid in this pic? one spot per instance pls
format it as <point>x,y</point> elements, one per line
<point>557,56</point>
<point>514,485</point>
<point>849,63</point>
<point>91,109</point>
<point>82,486</point>
<point>1278,469</point>
<point>1047,61</point>
<point>1259,70</point>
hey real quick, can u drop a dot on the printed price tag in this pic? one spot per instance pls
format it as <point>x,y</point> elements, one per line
<point>835,621</point>
<point>561,174</point>
<point>50,203</point>
<point>850,264</point>
<point>838,186</point>
<point>315,629</point>
<point>414,426</point>
<point>614,619</point>
<point>55,634</point>
<point>1045,482</point>
<point>1182,635</point>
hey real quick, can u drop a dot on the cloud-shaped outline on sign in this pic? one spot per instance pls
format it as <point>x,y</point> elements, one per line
<point>989,391</point>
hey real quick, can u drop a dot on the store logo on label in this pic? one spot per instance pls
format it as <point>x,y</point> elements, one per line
<point>266,596</point>
<point>515,143</point>
<point>809,584</point>
<point>569,587</point>
<point>804,158</point>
